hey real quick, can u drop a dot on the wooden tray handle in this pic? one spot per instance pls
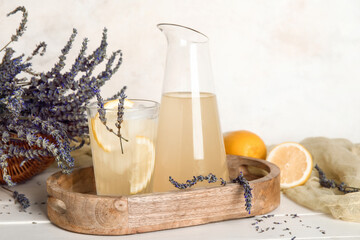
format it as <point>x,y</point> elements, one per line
<point>58,207</point>
<point>88,211</point>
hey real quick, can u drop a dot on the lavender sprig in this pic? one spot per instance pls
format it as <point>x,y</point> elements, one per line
<point>247,190</point>
<point>325,182</point>
<point>120,114</point>
<point>19,198</point>
<point>3,165</point>
<point>55,71</point>
<point>40,49</point>
<point>211,178</point>
<point>22,27</point>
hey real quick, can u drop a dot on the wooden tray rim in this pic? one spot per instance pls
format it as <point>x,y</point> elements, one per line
<point>131,217</point>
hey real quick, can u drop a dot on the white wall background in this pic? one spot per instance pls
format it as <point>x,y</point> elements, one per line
<point>285,69</point>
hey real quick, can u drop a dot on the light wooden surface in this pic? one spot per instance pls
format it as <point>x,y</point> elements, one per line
<point>72,204</point>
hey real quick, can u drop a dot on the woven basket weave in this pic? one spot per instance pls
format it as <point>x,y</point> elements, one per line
<point>30,168</point>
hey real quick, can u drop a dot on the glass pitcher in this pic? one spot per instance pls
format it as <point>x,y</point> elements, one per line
<point>189,138</point>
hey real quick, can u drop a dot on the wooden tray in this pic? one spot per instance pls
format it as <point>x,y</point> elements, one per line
<point>74,206</point>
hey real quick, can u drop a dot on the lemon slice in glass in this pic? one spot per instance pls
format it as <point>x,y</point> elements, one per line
<point>142,164</point>
<point>105,139</point>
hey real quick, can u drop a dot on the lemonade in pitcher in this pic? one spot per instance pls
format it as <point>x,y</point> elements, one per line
<point>128,169</point>
<point>195,146</point>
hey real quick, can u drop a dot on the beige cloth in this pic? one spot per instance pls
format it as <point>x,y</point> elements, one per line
<point>340,160</point>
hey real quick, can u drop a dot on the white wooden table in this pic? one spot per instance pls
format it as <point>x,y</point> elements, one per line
<point>34,224</point>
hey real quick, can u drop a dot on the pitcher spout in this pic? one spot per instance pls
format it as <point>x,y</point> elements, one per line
<point>174,32</point>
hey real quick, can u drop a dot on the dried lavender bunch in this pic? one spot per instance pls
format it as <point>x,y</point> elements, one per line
<point>47,109</point>
<point>325,182</point>
<point>19,198</point>
<point>211,178</point>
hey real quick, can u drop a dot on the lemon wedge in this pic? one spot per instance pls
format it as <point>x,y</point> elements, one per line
<point>113,104</point>
<point>105,139</point>
<point>295,163</point>
<point>142,164</point>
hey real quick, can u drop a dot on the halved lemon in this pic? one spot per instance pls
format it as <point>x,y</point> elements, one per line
<point>142,164</point>
<point>295,163</point>
<point>105,139</point>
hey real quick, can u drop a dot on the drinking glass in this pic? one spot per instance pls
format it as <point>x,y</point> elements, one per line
<point>126,167</point>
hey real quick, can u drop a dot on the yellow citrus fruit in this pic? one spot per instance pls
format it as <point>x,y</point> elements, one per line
<point>142,164</point>
<point>294,161</point>
<point>244,143</point>
<point>104,138</point>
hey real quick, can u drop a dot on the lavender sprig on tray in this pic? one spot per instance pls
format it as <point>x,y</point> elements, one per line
<point>211,178</point>
<point>247,190</point>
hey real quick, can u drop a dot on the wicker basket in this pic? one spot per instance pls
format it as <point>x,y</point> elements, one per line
<point>30,168</point>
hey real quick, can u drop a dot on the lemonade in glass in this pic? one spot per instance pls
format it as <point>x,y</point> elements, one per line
<point>126,169</point>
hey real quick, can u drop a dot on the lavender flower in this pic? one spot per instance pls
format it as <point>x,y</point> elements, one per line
<point>22,27</point>
<point>20,31</point>
<point>47,109</point>
<point>19,198</point>
<point>247,190</point>
<point>40,49</point>
<point>325,182</point>
<point>211,178</point>
<point>120,113</point>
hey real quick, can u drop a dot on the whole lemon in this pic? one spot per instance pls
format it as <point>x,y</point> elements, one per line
<point>244,143</point>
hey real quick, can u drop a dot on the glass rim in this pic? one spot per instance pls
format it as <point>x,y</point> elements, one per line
<point>188,28</point>
<point>93,105</point>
